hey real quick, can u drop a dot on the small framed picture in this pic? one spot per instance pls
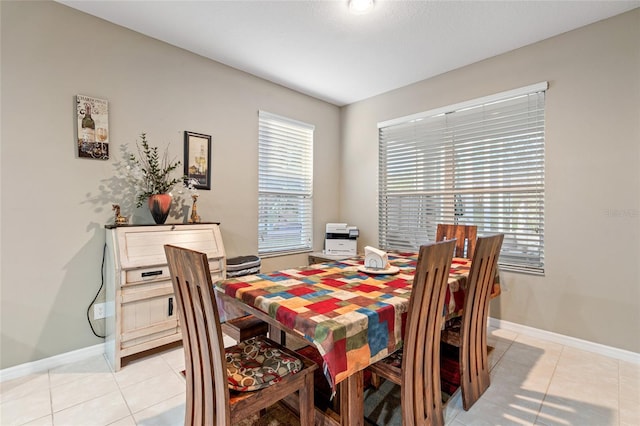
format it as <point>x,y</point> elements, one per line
<point>197,159</point>
<point>93,127</point>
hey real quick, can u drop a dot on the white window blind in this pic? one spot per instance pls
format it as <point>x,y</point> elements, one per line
<point>478,163</point>
<point>285,182</point>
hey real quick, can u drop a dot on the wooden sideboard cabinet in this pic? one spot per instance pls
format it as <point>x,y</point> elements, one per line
<point>141,309</point>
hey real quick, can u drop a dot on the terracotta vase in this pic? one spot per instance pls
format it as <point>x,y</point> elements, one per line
<point>159,206</point>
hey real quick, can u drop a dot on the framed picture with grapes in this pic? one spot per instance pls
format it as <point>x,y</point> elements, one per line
<point>93,127</point>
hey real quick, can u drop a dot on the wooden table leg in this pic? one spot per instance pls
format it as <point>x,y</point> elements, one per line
<point>352,400</point>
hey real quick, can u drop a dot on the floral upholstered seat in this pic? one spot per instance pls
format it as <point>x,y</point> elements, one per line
<point>257,363</point>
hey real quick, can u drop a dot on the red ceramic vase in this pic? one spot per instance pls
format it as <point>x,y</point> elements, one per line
<point>159,206</point>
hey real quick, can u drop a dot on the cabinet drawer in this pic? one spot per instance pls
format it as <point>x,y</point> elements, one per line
<point>146,291</point>
<point>142,291</point>
<point>216,266</point>
<point>161,273</point>
<point>157,273</point>
<point>216,274</point>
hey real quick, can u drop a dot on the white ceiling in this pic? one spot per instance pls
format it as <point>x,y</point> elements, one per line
<point>319,48</point>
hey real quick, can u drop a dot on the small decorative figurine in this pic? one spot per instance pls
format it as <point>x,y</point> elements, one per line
<point>194,210</point>
<point>119,220</point>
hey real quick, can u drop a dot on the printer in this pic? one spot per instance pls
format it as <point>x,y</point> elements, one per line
<point>341,239</point>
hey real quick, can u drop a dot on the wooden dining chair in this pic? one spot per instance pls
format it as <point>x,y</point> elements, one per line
<point>469,332</point>
<point>225,386</point>
<point>416,367</point>
<point>465,236</point>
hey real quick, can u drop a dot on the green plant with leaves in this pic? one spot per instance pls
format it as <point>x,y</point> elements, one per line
<point>150,173</point>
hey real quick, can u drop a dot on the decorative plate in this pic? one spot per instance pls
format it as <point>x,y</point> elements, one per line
<point>378,271</point>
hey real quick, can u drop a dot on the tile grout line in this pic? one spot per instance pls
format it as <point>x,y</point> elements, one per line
<point>131,412</point>
<point>50,396</point>
<point>113,374</point>
<point>546,391</point>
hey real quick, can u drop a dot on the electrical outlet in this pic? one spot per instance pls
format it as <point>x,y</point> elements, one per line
<point>99,311</point>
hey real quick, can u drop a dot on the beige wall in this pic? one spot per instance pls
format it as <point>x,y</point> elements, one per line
<point>591,289</point>
<point>54,206</point>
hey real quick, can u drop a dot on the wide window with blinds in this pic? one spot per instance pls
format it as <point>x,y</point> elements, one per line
<point>285,183</point>
<point>476,163</point>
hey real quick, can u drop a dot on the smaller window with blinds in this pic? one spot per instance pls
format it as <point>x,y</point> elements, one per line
<point>285,184</point>
<point>475,163</point>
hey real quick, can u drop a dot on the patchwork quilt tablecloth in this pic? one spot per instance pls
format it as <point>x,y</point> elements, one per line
<point>353,318</point>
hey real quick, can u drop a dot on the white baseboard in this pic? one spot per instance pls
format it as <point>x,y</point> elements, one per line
<point>46,364</point>
<point>573,342</point>
<point>80,354</point>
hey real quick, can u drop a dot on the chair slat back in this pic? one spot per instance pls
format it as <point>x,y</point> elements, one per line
<point>205,364</point>
<point>464,234</point>
<point>473,330</point>
<point>421,397</point>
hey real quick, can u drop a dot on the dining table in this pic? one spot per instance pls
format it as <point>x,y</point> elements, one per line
<point>353,318</point>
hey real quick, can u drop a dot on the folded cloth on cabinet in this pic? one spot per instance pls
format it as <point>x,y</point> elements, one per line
<point>243,265</point>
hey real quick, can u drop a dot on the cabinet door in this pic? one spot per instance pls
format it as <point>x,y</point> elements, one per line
<point>149,312</point>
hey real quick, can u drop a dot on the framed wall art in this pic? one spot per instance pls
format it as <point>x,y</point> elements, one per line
<point>92,127</point>
<point>197,159</point>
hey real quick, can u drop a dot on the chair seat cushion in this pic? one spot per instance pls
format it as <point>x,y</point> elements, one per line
<point>394,360</point>
<point>257,363</point>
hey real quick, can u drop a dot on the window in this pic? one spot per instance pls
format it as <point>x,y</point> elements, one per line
<point>285,182</point>
<point>476,163</point>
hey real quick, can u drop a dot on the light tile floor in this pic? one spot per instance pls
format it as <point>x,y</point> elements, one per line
<point>534,382</point>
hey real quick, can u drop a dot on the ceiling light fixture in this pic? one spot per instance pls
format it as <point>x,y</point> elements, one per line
<point>360,7</point>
